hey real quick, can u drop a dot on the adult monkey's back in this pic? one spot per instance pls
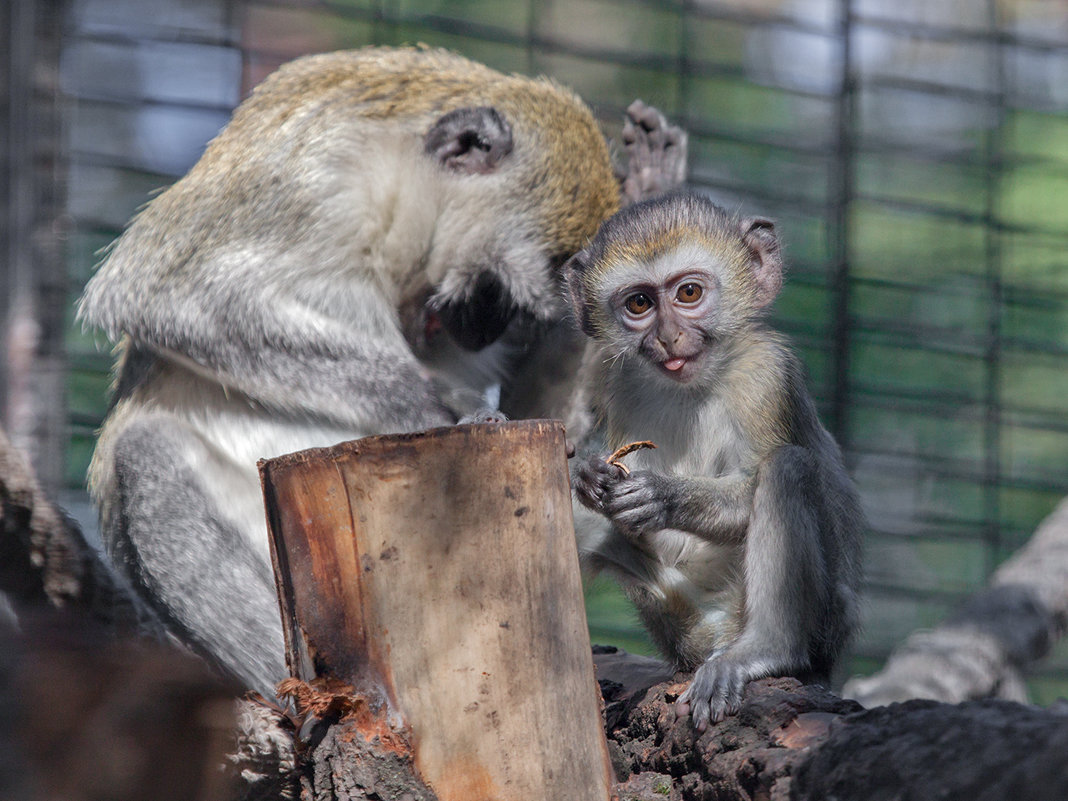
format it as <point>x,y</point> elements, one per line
<point>369,244</point>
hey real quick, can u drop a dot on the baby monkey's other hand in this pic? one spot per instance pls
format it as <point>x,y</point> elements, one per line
<point>592,480</point>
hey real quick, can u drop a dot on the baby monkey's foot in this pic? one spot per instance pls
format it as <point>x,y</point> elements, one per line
<point>717,689</point>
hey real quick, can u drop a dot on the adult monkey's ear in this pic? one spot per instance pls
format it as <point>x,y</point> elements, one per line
<point>576,290</point>
<point>469,140</point>
<point>758,234</point>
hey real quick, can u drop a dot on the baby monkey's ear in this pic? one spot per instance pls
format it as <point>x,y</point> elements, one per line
<point>765,257</point>
<point>573,271</point>
<point>469,140</point>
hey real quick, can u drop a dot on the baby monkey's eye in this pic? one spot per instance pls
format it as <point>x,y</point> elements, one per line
<point>689,293</point>
<point>638,303</point>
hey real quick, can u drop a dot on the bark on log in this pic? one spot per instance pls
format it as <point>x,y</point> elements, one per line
<point>789,742</point>
<point>988,750</point>
<point>436,575</point>
<point>792,742</point>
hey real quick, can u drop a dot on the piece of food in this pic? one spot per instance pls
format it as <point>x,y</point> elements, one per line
<point>617,455</point>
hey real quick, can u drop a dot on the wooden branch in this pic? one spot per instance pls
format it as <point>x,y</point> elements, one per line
<point>45,560</point>
<point>983,649</point>
<point>436,574</point>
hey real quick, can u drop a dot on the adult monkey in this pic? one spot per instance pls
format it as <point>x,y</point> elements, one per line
<point>365,248</point>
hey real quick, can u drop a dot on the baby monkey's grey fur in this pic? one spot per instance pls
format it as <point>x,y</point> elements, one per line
<point>737,538</point>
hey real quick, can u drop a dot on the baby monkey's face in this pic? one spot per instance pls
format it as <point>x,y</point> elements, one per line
<point>668,309</point>
<point>675,281</point>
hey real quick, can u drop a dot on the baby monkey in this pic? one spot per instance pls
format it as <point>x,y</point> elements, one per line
<point>737,538</point>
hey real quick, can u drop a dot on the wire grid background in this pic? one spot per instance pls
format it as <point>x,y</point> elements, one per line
<point>914,154</point>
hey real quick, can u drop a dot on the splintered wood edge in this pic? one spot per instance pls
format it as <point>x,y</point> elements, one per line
<point>618,454</point>
<point>385,441</point>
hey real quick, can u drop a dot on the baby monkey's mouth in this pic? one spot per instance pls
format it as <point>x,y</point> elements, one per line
<point>674,365</point>
<point>680,367</point>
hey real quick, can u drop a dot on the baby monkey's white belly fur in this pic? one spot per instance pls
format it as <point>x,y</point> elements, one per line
<point>702,574</point>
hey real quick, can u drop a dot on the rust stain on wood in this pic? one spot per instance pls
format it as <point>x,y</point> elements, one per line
<point>804,730</point>
<point>331,698</point>
<point>470,781</point>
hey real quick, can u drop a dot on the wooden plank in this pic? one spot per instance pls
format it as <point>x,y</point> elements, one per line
<point>437,572</point>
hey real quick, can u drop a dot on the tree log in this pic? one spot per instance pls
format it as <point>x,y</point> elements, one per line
<point>436,575</point>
